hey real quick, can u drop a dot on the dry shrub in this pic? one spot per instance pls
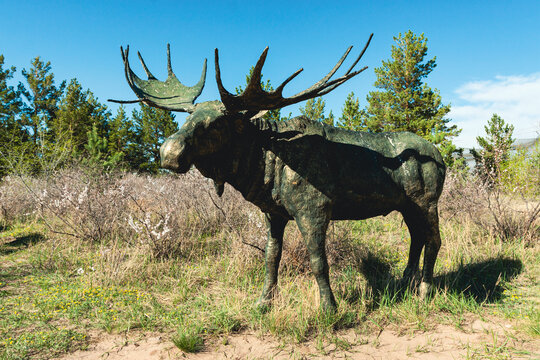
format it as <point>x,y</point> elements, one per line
<point>169,215</point>
<point>341,249</point>
<point>17,200</point>
<point>83,202</point>
<point>505,214</point>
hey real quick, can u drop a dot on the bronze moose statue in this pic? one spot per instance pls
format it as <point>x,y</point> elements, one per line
<point>300,169</point>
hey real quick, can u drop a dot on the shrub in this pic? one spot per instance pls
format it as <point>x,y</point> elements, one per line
<point>521,173</point>
<point>507,215</point>
<point>18,198</point>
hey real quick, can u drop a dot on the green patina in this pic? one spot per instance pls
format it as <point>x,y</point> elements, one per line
<point>309,172</point>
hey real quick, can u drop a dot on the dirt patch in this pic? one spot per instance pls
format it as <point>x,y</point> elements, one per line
<point>132,347</point>
<point>444,342</point>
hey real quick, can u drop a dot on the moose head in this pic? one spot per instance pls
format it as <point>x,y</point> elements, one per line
<point>300,169</point>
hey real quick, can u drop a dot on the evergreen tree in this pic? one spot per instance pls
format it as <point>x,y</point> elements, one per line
<point>266,86</point>
<point>152,126</point>
<point>330,119</point>
<point>12,136</point>
<point>78,112</point>
<point>494,148</point>
<point>9,97</point>
<point>42,97</point>
<point>352,117</point>
<point>405,102</point>
<point>98,152</point>
<point>120,133</point>
<point>314,110</point>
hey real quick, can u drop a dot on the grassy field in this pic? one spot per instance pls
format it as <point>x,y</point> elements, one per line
<point>85,253</point>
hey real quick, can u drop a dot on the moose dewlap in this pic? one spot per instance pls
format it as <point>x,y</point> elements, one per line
<point>300,169</point>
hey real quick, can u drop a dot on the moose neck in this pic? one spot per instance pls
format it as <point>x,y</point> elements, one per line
<point>242,161</point>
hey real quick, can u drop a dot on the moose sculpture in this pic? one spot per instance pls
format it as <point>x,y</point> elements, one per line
<point>301,169</point>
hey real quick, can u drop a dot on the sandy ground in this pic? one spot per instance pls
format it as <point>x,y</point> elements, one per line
<point>476,340</point>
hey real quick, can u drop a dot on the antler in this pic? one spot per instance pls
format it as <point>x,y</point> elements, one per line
<point>254,98</point>
<point>170,94</point>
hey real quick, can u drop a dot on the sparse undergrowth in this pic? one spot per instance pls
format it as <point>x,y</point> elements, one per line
<point>166,254</point>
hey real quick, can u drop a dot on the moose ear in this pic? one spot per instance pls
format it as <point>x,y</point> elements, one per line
<point>219,186</point>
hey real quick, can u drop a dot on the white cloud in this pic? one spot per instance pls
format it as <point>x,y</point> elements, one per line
<point>515,98</point>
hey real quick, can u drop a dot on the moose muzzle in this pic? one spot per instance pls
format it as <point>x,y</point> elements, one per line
<point>171,155</point>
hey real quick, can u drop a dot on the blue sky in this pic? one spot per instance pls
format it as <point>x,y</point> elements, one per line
<point>488,52</point>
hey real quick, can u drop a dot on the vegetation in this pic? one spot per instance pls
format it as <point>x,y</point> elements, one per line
<point>314,110</point>
<point>85,251</point>
<point>43,122</point>
<point>352,116</point>
<point>494,149</point>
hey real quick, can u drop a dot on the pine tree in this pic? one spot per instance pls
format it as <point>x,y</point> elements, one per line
<point>352,117</point>
<point>152,126</point>
<point>314,110</point>
<point>98,152</point>
<point>42,97</point>
<point>494,149</point>
<point>405,102</point>
<point>330,119</point>
<point>78,112</point>
<point>120,133</point>
<point>9,97</point>
<point>13,138</point>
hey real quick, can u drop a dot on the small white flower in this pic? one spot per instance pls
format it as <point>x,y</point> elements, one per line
<point>83,195</point>
<point>80,271</point>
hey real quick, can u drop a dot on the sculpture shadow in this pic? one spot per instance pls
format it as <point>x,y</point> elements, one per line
<point>481,281</point>
<point>21,242</point>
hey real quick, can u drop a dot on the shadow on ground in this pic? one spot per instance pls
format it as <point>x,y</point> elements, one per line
<point>482,281</point>
<point>20,242</point>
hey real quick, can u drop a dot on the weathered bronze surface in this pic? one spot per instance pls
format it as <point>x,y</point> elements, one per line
<point>305,171</point>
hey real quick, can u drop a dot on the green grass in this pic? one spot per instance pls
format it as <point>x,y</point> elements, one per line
<point>188,342</point>
<point>54,290</point>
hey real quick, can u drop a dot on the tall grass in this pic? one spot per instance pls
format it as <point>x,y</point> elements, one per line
<point>166,253</point>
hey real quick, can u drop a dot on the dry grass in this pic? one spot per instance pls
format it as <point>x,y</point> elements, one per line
<point>197,259</point>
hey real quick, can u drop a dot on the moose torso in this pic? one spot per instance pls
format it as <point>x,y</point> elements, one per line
<point>358,175</point>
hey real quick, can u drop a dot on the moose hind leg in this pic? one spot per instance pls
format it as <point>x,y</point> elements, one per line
<point>417,229</point>
<point>275,226</point>
<point>433,244</point>
<point>424,229</point>
<point>313,231</point>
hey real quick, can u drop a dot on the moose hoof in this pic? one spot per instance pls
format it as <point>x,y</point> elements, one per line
<point>329,306</point>
<point>263,305</point>
<point>410,280</point>
<point>424,290</point>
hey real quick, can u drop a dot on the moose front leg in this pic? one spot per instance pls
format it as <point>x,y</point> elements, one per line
<point>313,229</point>
<point>275,225</point>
